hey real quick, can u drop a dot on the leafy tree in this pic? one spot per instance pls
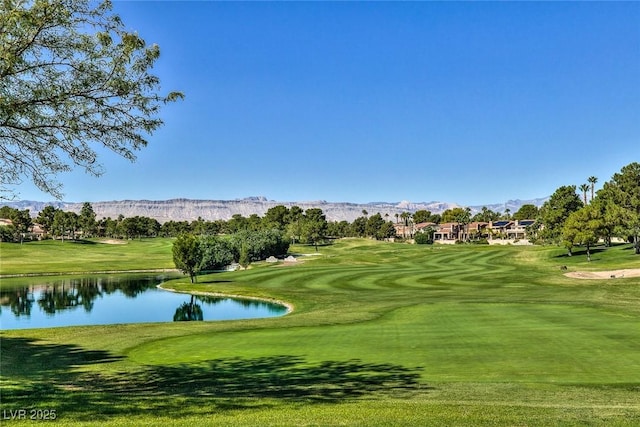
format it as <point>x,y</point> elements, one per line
<point>624,191</point>
<point>6,212</point>
<point>555,211</point>
<point>216,253</point>
<point>339,229</point>
<point>187,256</point>
<point>7,233</point>
<point>198,226</point>
<point>527,211</point>
<point>64,224</point>
<point>453,214</point>
<point>374,225</point>
<point>237,223</point>
<point>421,215</point>
<point>87,219</point>
<point>294,221</point>
<point>45,218</point>
<point>425,237</point>
<point>175,228</point>
<point>359,227</point>
<point>485,215</point>
<point>314,227</point>
<point>244,259</point>
<point>613,218</point>
<point>583,227</point>
<point>22,222</point>
<point>259,244</point>
<point>72,78</point>
<point>276,217</point>
<point>386,231</point>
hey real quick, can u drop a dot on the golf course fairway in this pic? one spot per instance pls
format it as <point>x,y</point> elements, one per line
<point>379,334</point>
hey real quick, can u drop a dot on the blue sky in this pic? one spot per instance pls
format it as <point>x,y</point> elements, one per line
<point>473,103</point>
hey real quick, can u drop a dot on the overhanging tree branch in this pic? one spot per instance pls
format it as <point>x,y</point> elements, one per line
<point>71,77</point>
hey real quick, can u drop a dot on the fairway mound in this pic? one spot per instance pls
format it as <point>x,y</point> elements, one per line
<point>611,274</point>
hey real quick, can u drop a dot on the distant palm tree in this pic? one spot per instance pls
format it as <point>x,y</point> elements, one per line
<point>405,218</point>
<point>584,188</point>
<point>592,180</point>
<point>397,216</point>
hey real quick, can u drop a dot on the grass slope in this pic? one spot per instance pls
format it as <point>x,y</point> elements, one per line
<point>55,256</point>
<point>381,334</point>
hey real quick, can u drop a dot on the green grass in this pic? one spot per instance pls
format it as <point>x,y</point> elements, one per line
<point>55,256</point>
<point>381,334</point>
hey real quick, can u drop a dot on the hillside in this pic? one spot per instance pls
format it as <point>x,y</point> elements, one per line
<point>188,209</point>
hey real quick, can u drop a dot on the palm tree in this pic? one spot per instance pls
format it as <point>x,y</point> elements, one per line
<point>405,218</point>
<point>592,180</point>
<point>584,188</point>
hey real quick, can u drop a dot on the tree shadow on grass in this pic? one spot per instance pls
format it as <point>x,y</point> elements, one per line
<point>30,359</point>
<point>180,390</point>
<point>578,251</point>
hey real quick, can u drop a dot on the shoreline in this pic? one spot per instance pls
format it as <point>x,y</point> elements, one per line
<point>79,273</point>
<point>289,306</point>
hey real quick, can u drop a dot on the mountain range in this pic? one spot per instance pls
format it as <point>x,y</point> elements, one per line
<point>189,209</point>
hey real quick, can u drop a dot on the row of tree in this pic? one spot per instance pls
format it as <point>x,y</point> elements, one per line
<point>193,254</point>
<point>613,211</point>
<point>308,226</point>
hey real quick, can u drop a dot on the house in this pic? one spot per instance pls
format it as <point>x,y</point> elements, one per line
<point>476,230</point>
<point>510,229</point>
<point>408,231</point>
<point>36,232</point>
<point>452,231</point>
<point>448,231</point>
<point>423,226</point>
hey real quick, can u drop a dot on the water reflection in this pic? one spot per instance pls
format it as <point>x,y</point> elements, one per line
<point>47,302</point>
<point>20,301</point>
<point>188,311</point>
<point>54,295</point>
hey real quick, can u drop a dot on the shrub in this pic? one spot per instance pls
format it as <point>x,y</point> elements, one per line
<point>482,241</point>
<point>423,239</point>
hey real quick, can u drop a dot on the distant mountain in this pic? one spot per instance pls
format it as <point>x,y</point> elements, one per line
<point>189,210</point>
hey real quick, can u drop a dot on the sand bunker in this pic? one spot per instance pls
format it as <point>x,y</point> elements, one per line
<point>612,274</point>
<point>114,242</point>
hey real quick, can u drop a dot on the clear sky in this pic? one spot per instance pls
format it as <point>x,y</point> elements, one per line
<point>473,103</point>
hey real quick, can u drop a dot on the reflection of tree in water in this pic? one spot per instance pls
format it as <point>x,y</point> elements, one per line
<point>247,303</point>
<point>210,300</point>
<point>130,286</point>
<point>68,294</point>
<point>76,293</point>
<point>18,300</point>
<point>272,308</point>
<point>188,311</point>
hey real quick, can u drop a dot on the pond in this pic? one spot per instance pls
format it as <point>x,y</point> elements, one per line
<point>44,302</point>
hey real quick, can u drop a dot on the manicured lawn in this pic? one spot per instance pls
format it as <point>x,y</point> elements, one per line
<point>381,334</point>
<point>55,256</point>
